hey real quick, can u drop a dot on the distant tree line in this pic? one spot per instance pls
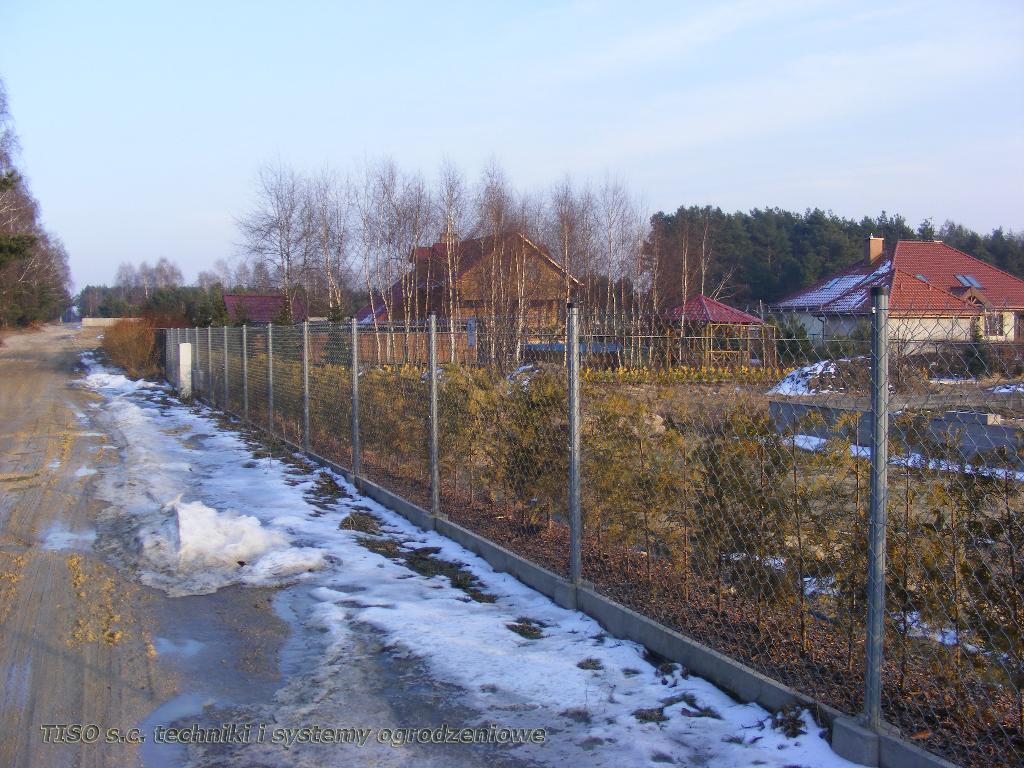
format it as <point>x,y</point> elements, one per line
<point>34,275</point>
<point>766,254</point>
<point>338,238</point>
<point>335,239</point>
<point>169,305</point>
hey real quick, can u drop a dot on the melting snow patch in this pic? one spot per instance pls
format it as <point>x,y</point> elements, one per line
<point>192,548</point>
<point>567,674</point>
<point>798,382</point>
<point>115,383</point>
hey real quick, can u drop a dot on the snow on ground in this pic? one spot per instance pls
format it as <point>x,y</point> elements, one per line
<point>1008,389</point>
<point>798,382</point>
<point>193,510</point>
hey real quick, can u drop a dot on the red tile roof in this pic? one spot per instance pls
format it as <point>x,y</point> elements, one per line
<point>261,307</point>
<point>702,310</point>
<point>939,264</point>
<point>922,278</point>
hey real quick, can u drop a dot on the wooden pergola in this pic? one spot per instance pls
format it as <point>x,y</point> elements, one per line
<point>706,333</point>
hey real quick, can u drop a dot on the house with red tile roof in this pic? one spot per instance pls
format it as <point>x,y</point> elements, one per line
<point>503,276</point>
<point>937,293</point>
<point>261,308</point>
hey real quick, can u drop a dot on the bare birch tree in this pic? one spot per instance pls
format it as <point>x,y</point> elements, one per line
<point>274,230</point>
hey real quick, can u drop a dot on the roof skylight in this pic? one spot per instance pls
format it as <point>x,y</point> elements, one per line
<point>968,281</point>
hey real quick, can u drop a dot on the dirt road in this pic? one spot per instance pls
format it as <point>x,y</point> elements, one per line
<point>83,642</point>
<point>115,495</point>
<point>78,639</point>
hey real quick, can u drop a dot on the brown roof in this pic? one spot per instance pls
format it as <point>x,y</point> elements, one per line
<point>465,255</point>
<point>925,277</point>
<point>261,307</point>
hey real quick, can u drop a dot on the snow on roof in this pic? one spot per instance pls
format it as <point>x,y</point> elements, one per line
<point>923,278</point>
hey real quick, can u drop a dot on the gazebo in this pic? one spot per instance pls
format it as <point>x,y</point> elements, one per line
<point>709,333</point>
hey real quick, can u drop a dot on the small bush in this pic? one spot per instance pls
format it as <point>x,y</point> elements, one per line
<point>131,345</point>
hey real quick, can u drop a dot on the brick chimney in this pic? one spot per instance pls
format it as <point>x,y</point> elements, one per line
<point>873,248</point>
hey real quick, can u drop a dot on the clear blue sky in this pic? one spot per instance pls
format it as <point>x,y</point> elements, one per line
<point>143,123</point>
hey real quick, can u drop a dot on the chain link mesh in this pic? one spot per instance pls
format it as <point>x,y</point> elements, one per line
<point>726,482</point>
<point>330,392</point>
<point>503,436</point>
<point>236,378</point>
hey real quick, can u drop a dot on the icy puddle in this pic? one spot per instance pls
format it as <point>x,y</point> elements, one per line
<point>60,537</point>
<point>392,628</point>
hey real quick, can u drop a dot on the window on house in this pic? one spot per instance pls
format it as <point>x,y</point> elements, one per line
<point>968,281</point>
<point>994,324</point>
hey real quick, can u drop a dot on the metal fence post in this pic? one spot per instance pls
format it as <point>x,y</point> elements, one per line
<point>270,377</point>
<point>435,470</point>
<point>245,372</point>
<point>305,385</point>
<point>575,518</point>
<point>879,506</point>
<point>355,401</point>
<point>226,405</point>
<point>211,395</point>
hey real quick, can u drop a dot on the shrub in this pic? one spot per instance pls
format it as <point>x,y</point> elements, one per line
<point>131,344</point>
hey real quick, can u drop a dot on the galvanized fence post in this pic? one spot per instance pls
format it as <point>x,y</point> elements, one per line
<point>226,405</point>
<point>270,377</point>
<point>245,373</point>
<point>305,385</point>
<point>355,400</point>
<point>879,506</point>
<point>575,517</point>
<point>169,337</point>
<point>211,395</point>
<point>435,470</point>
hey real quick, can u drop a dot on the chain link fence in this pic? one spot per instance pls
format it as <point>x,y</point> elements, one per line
<point>851,529</point>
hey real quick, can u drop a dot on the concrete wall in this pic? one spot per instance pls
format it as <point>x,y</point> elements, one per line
<point>955,329</point>
<point>105,322</point>
<point>973,431</point>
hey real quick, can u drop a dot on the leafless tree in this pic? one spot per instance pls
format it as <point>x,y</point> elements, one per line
<point>571,226</point>
<point>329,206</point>
<point>451,215</point>
<point>394,215</point>
<point>274,231</point>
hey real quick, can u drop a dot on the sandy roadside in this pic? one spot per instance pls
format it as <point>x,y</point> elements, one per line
<point>78,640</point>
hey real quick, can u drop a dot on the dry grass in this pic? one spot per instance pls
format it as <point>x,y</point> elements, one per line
<point>131,345</point>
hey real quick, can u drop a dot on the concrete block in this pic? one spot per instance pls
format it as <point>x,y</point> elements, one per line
<point>184,382</point>
<point>854,742</point>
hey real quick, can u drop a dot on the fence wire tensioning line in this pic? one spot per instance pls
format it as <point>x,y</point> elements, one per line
<point>849,528</point>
